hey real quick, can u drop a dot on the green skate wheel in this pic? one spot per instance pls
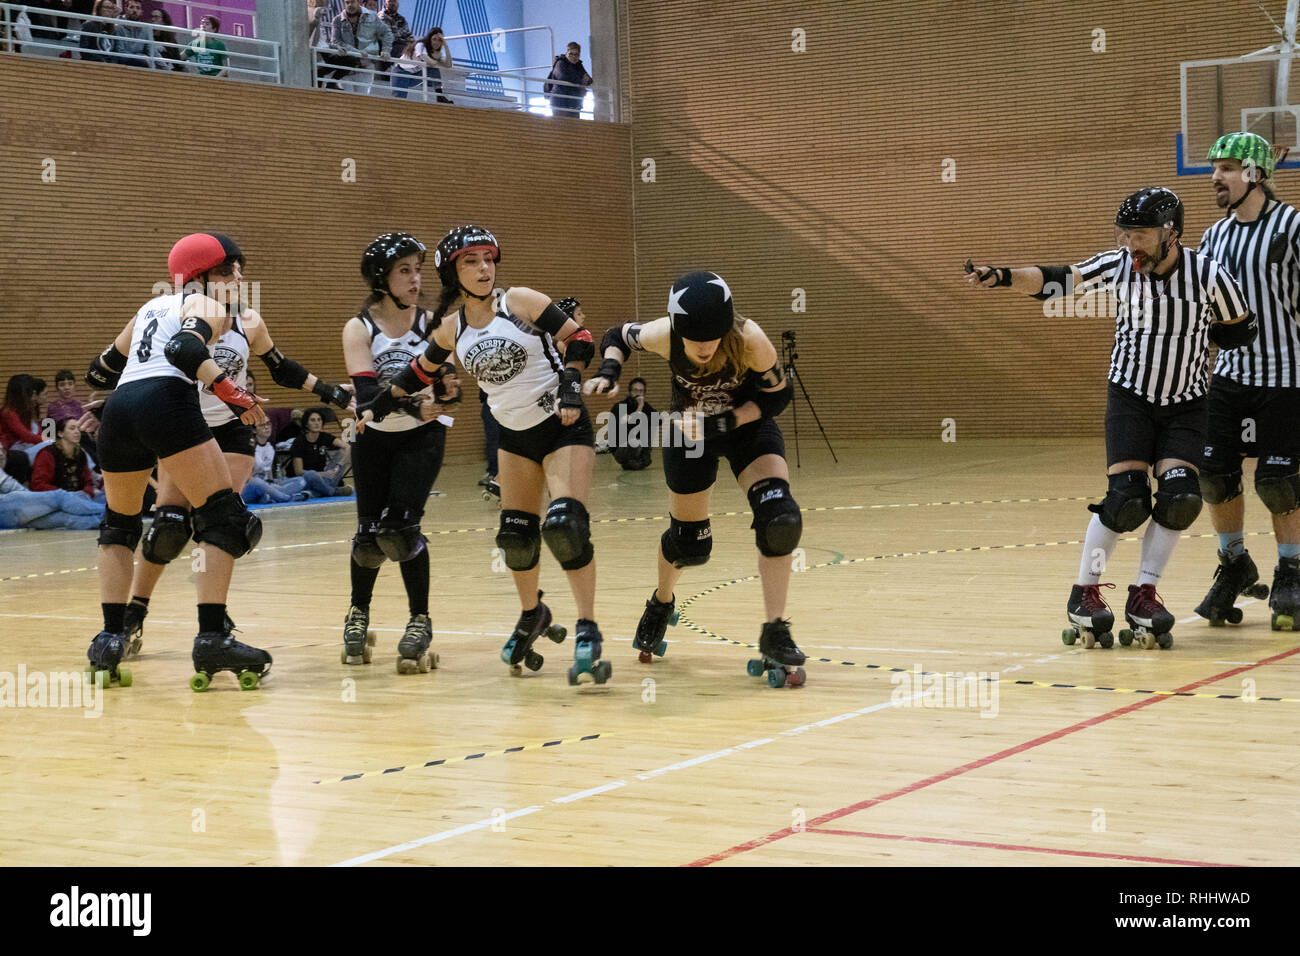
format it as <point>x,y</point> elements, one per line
<point>755,668</point>
<point>124,676</point>
<point>248,680</point>
<point>776,677</point>
<point>1068,637</point>
<point>1106,640</point>
<point>1126,637</point>
<point>661,648</point>
<point>1283,622</point>
<point>673,618</point>
<point>200,682</point>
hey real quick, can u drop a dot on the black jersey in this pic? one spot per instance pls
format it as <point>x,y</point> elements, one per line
<point>712,394</point>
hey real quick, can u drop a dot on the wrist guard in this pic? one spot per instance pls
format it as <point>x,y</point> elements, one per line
<point>570,388</point>
<point>611,369</point>
<point>235,398</point>
<point>715,426</point>
<point>334,394</point>
<point>381,406</point>
<point>106,369</point>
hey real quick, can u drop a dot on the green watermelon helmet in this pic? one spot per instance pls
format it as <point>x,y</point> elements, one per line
<point>1250,148</point>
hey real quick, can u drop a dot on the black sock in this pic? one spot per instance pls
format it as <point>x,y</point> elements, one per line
<point>415,575</point>
<point>363,585</point>
<point>212,617</point>
<point>114,618</point>
<point>142,601</point>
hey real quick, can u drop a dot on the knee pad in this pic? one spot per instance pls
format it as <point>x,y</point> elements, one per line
<point>567,532</point>
<point>519,539</point>
<point>1217,489</point>
<point>167,534</point>
<point>1277,482</point>
<point>777,523</point>
<point>365,549</point>
<point>398,535</point>
<point>225,522</point>
<point>687,543</point>
<point>1178,499</point>
<point>1127,503</point>
<point>117,528</point>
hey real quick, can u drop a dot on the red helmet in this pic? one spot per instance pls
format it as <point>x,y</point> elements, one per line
<point>199,252</point>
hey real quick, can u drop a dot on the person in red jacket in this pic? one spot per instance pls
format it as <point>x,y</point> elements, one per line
<point>18,417</point>
<point>62,464</point>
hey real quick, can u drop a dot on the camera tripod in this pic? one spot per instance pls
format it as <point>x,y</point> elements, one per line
<point>790,355</point>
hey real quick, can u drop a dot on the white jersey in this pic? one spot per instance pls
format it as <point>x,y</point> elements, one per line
<point>155,324</point>
<point>389,356</point>
<point>516,364</point>
<point>231,353</point>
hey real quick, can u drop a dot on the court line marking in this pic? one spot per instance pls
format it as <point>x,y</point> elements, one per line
<point>975,764</point>
<point>619,784</point>
<point>443,761</point>
<point>1017,848</point>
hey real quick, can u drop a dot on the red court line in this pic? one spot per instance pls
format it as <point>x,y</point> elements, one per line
<point>982,762</point>
<point>1014,846</point>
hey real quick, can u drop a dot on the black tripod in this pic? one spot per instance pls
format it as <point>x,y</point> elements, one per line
<point>788,357</point>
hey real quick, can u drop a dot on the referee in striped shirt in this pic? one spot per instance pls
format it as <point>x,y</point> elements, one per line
<point>1254,398</point>
<point>1170,303</point>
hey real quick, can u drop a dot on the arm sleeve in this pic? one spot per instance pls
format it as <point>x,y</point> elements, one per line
<point>43,471</point>
<point>551,320</point>
<point>366,386</point>
<point>18,429</point>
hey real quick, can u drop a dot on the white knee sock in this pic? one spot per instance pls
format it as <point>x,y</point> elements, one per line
<point>1097,547</point>
<point>1157,547</point>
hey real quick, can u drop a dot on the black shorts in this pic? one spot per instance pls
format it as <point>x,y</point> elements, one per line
<point>236,438</point>
<point>1251,422</point>
<point>539,441</point>
<point>687,475</point>
<point>396,469</point>
<point>1137,430</point>
<point>149,420</point>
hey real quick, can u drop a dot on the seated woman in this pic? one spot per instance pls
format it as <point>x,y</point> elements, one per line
<point>261,486</point>
<point>62,465</point>
<point>45,510</point>
<point>312,459</point>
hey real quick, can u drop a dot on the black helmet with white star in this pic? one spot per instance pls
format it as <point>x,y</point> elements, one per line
<point>700,307</point>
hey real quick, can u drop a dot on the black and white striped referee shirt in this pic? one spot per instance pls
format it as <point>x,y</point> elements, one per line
<point>1162,327</point>
<point>1264,257</point>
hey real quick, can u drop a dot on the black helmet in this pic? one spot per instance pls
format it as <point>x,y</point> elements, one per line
<point>699,305</point>
<point>382,254</point>
<point>1152,207</point>
<point>568,306</point>
<point>459,240</point>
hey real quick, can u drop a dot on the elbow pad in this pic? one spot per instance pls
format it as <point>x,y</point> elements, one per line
<point>1055,279</point>
<point>613,339</point>
<point>186,353</point>
<point>771,404</point>
<point>1235,335</point>
<point>551,320</point>
<point>284,371</point>
<point>106,369</point>
<point>580,348</point>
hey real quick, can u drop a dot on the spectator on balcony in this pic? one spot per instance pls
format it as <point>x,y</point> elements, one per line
<point>100,40</point>
<point>407,71</point>
<point>62,465</point>
<point>50,27</point>
<point>165,52</point>
<point>45,510</point>
<point>397,23</point>
<point>564,85</point>
<point>207,52</point>
<point>361,36</point>
<point>136,37</point>
<point>433,51</point>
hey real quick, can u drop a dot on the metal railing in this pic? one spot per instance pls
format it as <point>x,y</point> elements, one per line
<point>41,32</point>
<point>232,20</point>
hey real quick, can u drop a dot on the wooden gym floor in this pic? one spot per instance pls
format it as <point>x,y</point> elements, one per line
<point>922,558</point>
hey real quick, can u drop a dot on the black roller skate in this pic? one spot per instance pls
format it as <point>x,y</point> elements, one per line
<point>781,660</point>
<point>416,657</point>
<point>650,630</point>
<point>1285,600</point>
<point>133,627</point>
<point>518,651</point>
<point>215,652</point>
<point>586,654</point>
<point>1233,577</point>
<point>104,654</point>
<point>1149,621</point>
<point>358,639</point>
<point>1089,616</point>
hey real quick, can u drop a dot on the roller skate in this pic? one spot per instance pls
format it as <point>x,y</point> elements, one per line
<point>1285,601</point>
<point>650,631</point>
<point>414,647</point>
<point>104,654</point>
<point>492,491</point>
<point>219,651</point>
<point>1149,622</point>
<point>518,651</point>
<point>1233,576</point>
<point>781,659</point>
<point>133,627</point>
<point>586,655</point>
<point>358,639</point>
<point>1089,616</point>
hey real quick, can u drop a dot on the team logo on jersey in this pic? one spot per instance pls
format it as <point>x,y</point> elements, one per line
<point>231,362</point>
<point>495,360</point>
<point>390,362</point>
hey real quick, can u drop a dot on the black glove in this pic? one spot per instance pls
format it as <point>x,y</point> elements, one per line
<point>570,388</point>
<point>715,426</point>
<point>334,394</point>
<point>441,395</point>
<point>381,406</point>
<point>611,369</point>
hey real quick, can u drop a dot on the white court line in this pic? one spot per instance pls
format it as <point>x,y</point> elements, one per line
<point>619,784</point>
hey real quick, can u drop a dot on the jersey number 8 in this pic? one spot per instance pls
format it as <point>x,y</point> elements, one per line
<point>146,341</point>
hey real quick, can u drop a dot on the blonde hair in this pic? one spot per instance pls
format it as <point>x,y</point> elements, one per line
<point>730,353</point>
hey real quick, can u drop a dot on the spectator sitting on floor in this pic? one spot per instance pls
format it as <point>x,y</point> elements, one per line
<point>261,485</point>
<point>19,428</point>
<point>45,510</point>
<point>66,404</point>
<point>631,438</point>
<point>311,455</point>
<point>62,464</point>
<point>207,52</point>
<point>136,36</point>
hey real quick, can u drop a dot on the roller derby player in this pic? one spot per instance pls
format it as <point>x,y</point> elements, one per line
<point>1254,398</point>
<point>1171,303</point>
<point>170,530</point>
<point>394,462</point>
<point>154,416</point>
<point>729,386</point>
<point>509,340</point>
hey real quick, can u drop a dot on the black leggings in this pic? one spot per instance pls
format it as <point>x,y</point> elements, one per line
<point>395,470</point>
